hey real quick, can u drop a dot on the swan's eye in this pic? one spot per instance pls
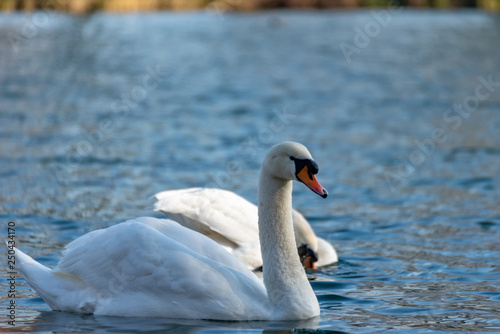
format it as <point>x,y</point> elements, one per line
<point>292,158</point>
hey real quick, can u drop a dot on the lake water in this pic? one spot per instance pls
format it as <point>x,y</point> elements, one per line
<point>401,110</point>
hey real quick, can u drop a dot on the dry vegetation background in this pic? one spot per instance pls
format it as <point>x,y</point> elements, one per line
<point>84,6</point>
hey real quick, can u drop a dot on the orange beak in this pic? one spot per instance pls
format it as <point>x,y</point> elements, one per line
<point>311,182</point>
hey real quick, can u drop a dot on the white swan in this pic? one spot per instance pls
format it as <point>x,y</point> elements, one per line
<point>150,267</point>
<point>232,221</point>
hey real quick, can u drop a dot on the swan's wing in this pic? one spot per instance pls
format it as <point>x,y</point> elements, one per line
<point>232,221</point>
<point>155,267</point>
<point>304,233</point>
<point>326,253</point>
<point>127,238</point>
<point>220,214</point>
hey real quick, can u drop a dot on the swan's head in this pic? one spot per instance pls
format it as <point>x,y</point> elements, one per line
<point>292,161</point>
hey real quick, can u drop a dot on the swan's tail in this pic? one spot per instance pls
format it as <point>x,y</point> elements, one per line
<point>61,291</point>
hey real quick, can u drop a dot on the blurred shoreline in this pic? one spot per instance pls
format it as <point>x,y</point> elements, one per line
<point>87,6</point>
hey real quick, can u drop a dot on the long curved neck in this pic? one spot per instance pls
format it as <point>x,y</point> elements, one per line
<point>284,277</point>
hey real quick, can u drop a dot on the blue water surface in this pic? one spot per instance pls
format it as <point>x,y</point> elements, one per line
<point>399,108</point>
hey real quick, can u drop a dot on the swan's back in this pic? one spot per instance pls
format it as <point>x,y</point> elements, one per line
<point>232,221</point>
<point>220,214</point>
<point>155,267</point>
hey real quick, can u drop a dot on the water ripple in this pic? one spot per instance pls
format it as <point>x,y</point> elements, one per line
<point>417,241</point>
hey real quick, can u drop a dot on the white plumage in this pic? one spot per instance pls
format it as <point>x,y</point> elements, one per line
<point>157,266</point>
<point>149,267</point>
<point>232,221</point>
